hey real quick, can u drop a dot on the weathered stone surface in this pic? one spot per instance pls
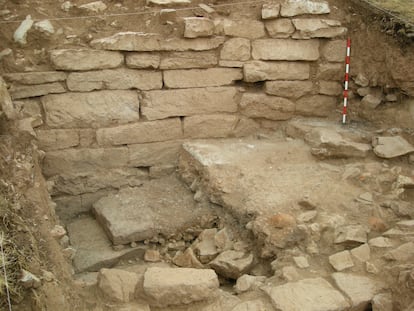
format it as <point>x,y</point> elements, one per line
<point>316,105</point>
<point>176,286</point>
<point>341,261</point>
<point>187,102</point>
<point>168,16</point>
<point>187,259</point>
<point>231,63</point>
<point>114,79</point>
<point>330,88</point>
<point>95,6</point>
<point>162,170</point>
<point>168,2</point>
<point>236,49</point>
<point>25,91</point>
<point>255,105</point>
<point>29,280</point>
<point>331,71</point>
<point>57,139</point>
<point>35,77</point>
<point>142,132</point>
<point>248,28</point>
<point>299,7</point>
<point>260,71</point>
<point>84,59</point>
<point>198,27</point>
<point>118,285</point>
<point>147,42</point>
<point>137,214</point>
<point>78,160</point>
<point>359,289</point>
<point>252,305</point>
<point>391,147</point>
<point>317,28</point>
<point>204,246</point>
<point>328,143</point>
<point>6,104</point>
<point>143,60</point>
<point>351,234</point>
<point>334,51</point>
<point>285,49</point>
<point>403,253</point>
<point>93,109</point>
<point>159,153</point>
<point>380,242</point>
<point>93,249</point>
<point>362,253</point>
<point>270,10</point>
<point>249,282</point>
<point>289,89</point>
<point>371,101</point>
<point>209,126</point>
<point>232,264</point>
<point>382,302</point>
<point>152,255</point>
<point>301,261</point>
<point>297,295</point>
<point>92,181</point>
<point>188,60</point>
<point>201,77</point>
<point>280,28</point>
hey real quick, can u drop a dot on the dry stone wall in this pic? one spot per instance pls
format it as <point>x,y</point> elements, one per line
<point>117,112</point>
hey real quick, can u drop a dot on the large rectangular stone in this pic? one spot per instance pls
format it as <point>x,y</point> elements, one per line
<point>25,91</point>
<point>285,49</point>
<point>317,28</point>
<point>334,51</point>
<point>260,71</point>
<point>209,126</point>
<point>201,77</point>
<point>114,79</point>
<point>147,42</point>
<point>186,102</point>
<point>290,89</point>
<point>142,132</point>
<point>246,28</point>
<point>35,77</point>
<point>73,161</point>
<point>316,106</point>
<point>299,7</point>
<point>57,139</point>
<point>149,154</point>
<point>85,59</point>
<point>92,181</point>
<point>95,109</point>
<point>187,60</point>
<point>256,105</point>
<point>142,60</point>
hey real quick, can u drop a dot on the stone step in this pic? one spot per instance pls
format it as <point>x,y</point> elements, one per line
<point>93,248</point>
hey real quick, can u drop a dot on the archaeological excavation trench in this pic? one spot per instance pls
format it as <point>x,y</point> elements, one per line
<point>192,157</point>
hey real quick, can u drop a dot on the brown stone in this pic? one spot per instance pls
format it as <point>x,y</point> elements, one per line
<point>334,51</point>
<point>237,49</point>
<point>26,91</point>
<point>280,28</point>
<point>285,49</point>
<point>250,29</point>
<point>188,60</point>
<point>143,60</point>
<point>57,139</point>
<point>198,27</point>
<point>149,154</point>
<point>269,107</point>
<point>290,89</point>
<point>282,220</point>
<point>209,126</point>
<point>316,105</point>
<point>330,88</point>
<point>84,59</point>
<point>255,71</point>
<point>35,77</point>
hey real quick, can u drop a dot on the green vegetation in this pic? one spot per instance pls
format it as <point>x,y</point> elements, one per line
<point>401,8</point>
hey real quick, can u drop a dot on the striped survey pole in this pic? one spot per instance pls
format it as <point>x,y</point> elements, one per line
<point>347,62</point>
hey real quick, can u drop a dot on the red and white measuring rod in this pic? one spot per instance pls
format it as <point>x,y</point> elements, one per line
<point>347,62</point>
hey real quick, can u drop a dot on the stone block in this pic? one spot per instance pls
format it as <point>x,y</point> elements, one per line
<point>316,106</point>
<point>118,285</point>
<point>300,7</point>
<point>188,60</point>
<point>341,261</point>
<point>330,88</point>
<point>289,89</point>
<point>201,77</point>
<point>25,91</point>
<point>6,103</point>
<point>142,132</point>
<point>57,139</point>
<point>186,102</point>
<point>297,295</point>
<point>35,77</point>
<point>92,181</point>
<point>147,42</point>
<point>150,154</point>
<point>362,253</point>
<point>95,109</point>
<point>255,71</point>
<point>285,49</point>
<point>209,126</point>
<point>177,286</point>
<point>280,28</point>
<point>168,16</point>
<point>247,28</point>
<point>237,49</point>
<point>391,147</point>
<point>270,10</point>
<point>85,59</point>
<point>331,71</point>
<point>334,51</point>
<point>317,28</point>
<point>168,2</point>
<point>73,161</point>
<point>114,79</point>
<point>28,108</point>
<point>256,105</point>
<point>231,63</point>
<point>143,60</point>
<point>232,264</point>
<point>198,27</point>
